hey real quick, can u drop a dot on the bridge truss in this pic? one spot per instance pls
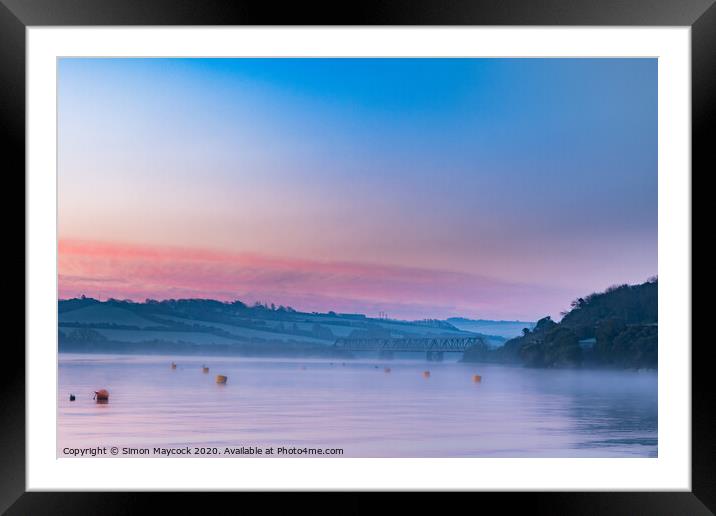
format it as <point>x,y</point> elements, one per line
<point>434,347</point>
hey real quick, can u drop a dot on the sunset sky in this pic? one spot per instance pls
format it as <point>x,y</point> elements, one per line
<point>485,188</point>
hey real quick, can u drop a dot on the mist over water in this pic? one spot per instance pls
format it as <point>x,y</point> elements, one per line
<point>355,405</point>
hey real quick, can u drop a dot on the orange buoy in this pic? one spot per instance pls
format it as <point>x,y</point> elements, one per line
<point>476,378</point>
<point>204,369</point>
<point>387,369</point>
<point>426,374</point>
<point>220,378</point>
<point>174,366</point>
<point>102,396</point>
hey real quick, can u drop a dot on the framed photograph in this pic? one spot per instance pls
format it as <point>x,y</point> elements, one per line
<point>422,248</point>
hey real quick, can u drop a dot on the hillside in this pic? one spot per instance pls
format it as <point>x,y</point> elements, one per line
<point>100,313</point>
<point>209,326</point>
<point>617,327</point>
<point>504,329</point>
<point>630,304</point>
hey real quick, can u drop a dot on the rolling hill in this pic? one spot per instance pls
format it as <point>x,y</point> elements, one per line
<point>209,326</point>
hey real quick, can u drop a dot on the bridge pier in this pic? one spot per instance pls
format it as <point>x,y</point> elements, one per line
<point>434,356</point>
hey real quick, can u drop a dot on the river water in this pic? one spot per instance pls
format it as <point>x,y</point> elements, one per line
<point>303,405</point>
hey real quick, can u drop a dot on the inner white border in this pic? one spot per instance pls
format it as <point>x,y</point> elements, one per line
<point>671,470</point>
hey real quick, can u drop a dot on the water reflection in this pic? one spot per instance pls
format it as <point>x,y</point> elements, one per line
<point>511,412</point>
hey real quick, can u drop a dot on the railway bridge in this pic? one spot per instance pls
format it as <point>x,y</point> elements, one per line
<point>433,347</point>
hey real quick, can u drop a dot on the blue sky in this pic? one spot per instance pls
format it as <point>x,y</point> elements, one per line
<point>537,173</point>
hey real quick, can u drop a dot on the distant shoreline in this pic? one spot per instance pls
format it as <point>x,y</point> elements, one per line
<point>371,359</point>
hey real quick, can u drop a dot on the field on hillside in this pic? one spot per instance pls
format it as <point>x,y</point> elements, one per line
<point>95,314</point>
<point>85,322</point>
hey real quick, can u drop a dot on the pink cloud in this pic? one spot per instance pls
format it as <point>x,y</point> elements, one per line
<point>128,271</point>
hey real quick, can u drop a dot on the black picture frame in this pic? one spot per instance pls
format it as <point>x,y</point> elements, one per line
<point>17,15</point>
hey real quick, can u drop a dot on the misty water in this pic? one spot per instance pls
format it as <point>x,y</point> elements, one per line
<point>357,406</point>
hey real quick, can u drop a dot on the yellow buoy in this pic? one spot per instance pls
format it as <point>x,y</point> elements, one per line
<point>476,378</point>
<point>204,369</point>
<point>220,378</point>
<point>426,374</point>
